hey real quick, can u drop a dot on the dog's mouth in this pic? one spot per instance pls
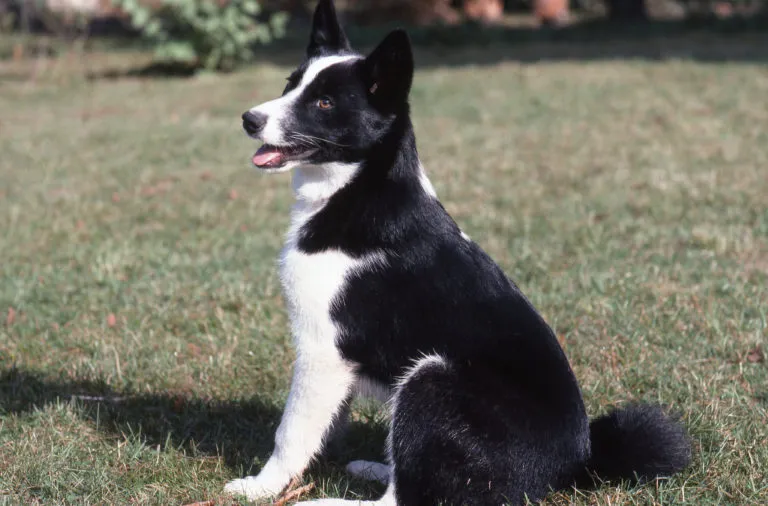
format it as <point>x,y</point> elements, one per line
<point>274,157</point>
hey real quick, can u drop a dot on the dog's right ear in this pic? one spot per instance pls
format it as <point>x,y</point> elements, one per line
<point>327,36</point>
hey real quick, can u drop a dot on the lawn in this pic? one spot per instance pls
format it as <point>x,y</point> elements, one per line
<point>144,347</point>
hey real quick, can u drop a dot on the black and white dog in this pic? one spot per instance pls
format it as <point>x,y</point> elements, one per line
<point>388,297</point>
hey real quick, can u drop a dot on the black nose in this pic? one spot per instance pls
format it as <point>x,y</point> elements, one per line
<point>253,122</point>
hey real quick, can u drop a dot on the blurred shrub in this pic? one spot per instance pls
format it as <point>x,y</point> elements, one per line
<point>210,34</point>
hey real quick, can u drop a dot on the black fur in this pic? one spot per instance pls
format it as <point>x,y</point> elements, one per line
<point>358,119</point>
<point>327,35</point>
<point>503,418</point>
<point>368,94</point>
<point>638,442</point>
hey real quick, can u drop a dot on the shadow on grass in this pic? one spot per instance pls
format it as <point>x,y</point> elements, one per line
<point>237,431</point>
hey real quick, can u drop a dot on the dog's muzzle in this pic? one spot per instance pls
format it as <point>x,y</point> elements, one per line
<point>254,122</point>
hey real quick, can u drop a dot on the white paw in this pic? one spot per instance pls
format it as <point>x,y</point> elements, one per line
<point>372,471</point>
<point>255,487</point>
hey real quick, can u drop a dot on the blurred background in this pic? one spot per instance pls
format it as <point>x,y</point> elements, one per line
<point>610,155</point>
<point>186,35</point>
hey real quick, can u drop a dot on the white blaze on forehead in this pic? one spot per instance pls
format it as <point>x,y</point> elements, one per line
<point>318,66</point>
<point>276,110</point>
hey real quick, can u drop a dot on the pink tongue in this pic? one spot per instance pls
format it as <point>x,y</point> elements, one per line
<point>266,156</point>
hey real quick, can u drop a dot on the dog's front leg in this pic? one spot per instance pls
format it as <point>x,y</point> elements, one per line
<point>322,381</point>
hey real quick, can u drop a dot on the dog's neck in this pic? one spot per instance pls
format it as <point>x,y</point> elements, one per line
<point>313,185</point>
<point>394,158</point>
<point>354,206</point>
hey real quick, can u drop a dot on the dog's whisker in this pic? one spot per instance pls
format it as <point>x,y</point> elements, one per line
<point>317,140</point>
<point>301,139</point>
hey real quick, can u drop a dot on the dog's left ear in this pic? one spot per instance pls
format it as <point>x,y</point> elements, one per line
<point>389,70</point>
<point>327,35</point>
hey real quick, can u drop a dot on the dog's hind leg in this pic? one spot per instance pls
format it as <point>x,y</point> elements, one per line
<point>321,384</point>
<point>447,439</point>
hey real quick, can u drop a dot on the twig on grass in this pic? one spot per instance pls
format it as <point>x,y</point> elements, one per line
<point>291,493</point>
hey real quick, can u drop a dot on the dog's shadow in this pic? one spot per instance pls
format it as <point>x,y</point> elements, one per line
<point>239,432</point>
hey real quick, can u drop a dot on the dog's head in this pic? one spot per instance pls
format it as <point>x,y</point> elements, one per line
<point>337,103</point>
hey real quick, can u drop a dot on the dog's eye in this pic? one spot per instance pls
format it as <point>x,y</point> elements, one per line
<point>324,103</point>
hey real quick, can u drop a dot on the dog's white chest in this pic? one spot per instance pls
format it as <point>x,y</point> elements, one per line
<point>311,282</point>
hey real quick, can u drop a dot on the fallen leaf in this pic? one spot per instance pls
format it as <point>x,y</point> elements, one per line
<point>11,317</point>
<point>160,187</point>
<point>193,349</point>
<point>111,320</point>
<point>755,355</point>
<point>232,194</point>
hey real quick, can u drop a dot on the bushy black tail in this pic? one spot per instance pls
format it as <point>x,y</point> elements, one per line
<point>636,443</point>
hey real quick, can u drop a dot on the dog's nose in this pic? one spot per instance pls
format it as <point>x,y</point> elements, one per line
<point>253,122</point>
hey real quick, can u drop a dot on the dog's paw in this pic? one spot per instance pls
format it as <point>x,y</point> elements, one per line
<point>256,487</point>
<point>372,471</point>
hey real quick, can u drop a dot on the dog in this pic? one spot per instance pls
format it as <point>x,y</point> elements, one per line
<point>388,297</point>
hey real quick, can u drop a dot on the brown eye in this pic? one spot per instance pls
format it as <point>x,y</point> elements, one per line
<point>324,103</point>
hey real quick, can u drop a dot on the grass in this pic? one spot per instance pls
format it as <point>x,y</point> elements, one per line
<point>144,348</point>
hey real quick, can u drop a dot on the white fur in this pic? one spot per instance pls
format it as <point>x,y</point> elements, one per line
<point>277,109</point>
<point>425,360</point>
<point>321,382</point>
<point>315,184</point>
<point>322,379</point>
<point>426,183</point>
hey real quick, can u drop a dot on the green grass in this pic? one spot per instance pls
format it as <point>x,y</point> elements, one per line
<point>627,198</point>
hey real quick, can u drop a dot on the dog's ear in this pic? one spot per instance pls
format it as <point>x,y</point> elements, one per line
<point>389,70</point>
<point>327,35</point>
